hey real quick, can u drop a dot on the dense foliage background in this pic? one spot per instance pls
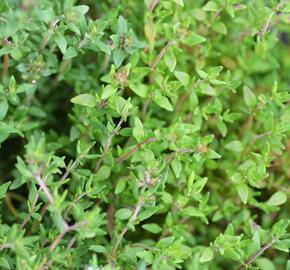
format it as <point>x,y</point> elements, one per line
<point>144,134</point>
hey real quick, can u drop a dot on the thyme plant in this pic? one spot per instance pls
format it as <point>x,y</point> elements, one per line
<point>146,134</point>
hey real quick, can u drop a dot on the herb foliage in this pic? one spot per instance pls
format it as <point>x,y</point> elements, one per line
<point>144,134</point>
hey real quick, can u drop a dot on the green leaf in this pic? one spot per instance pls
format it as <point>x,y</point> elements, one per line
<point>249,97</point>
<point>3,189</point>
<point>4,262</point>
<point>122,25</point>
<point>170,60</point>
<point>181,164</point>
<point>202,74</point>
<point>148,212</point>
<point>74,28</point>
<point>243,192</point>
<point>220,28</point>
<point>265,264</point>
<point>211,154</point>
<point>12,84</point>
<point>230,10</point>
<point>27,88</point>
<point>166,197</point>
<point>58,220</point>
<point>70,53</point>
<point>210,6</point>
<point>162,101</point>
<point>3,107</point>
<point>182,77</point>
<point>198,185</point>
<point>61,43</point>
<point>206,255</point>
<point>277,198</point>
<point>165,242</point>
<point>235,146</point>
<point>152,227</point>
<point>138,131</point>
<point>103,173</point>
<point>280,228</point>
<point>81,9</point>
<point>118,57</point>
<point>176,167</point>
<point>98,248</point>
<point>123,213</point>
<point>139,89</point>
<point>179,2</point>
<point>192,212</point>
<point>194,39</point>
<point>103,47</point>
<point>108,91</point>
<point>86,100</point>
<point>21,167</point>
<point>120,187</point>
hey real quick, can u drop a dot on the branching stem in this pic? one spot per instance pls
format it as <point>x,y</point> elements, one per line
<point>135,213</point>
<point>44,188</point>
<point>152,5</point>
<point>57,240</point>
<point>134,149</point>
<point>155,62</point>
<point>152,66</point>
<point>48,34</point>
<point>267,23</point>
<point>257,254</point>
<point>108,144</point>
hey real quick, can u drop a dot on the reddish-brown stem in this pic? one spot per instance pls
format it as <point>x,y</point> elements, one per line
<point>48,34</point>
<point>125,229</point>
<point>152,66</point>
<point>267,23</point>
<point>57,240</point>
<point>44,188</point>
<point>152,5</point>
<point>257,254</point>
<point>178,151</point>
<point>110,216</point>
<point>155,62</point>
<point>145,107</point>
<point>63,233</point>
<point>65,175</point>
<point>133,150</point>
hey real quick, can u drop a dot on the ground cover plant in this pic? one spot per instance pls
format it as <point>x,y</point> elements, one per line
<point>144,134</point>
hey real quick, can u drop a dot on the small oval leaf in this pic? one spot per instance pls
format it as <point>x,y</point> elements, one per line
<point>87,100</point>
